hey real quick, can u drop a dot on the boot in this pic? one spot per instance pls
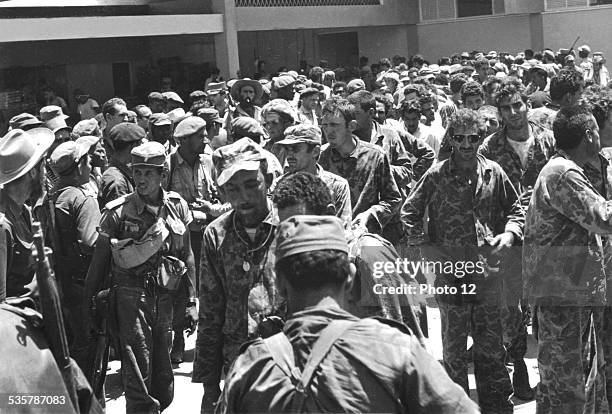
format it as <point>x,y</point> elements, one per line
<point>520,381</point>
<point>178,348</point>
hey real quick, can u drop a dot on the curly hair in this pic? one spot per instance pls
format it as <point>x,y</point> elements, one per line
<point>364,99</point>
<point>471,88</point>
<point>457,81</point>
<point>570,126</point>
<point>303,187</point>
<point>599,102</point>
<point>510,86</point>
<point>385,100</point>
<point>465,118</point>
<point>314,269</point>
<point>410,107</point>
<point>567,81</point>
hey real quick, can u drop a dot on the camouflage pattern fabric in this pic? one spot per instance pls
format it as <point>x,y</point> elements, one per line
<point>485,324</point>
<point>543,116</point>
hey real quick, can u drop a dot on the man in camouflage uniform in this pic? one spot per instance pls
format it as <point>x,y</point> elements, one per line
<point>375,196</point>
<point>117,179</point>
<point>564,259</point>
<point>302,144</point>
<point>238,294</point>
<point>521,148</point>
<point>565,90</point>
<point>72,216</point>
<point>368,365</point>
<point>21,180</point>
<point>145,246</point>
<point>278,115</point>
<point>474,215</point>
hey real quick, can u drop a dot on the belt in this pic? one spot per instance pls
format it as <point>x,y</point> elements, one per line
<point>146,280</point>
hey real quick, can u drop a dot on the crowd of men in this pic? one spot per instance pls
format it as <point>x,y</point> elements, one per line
<point>248,218</point>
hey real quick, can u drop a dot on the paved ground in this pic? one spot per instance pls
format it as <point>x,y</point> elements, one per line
<point>187,396</point>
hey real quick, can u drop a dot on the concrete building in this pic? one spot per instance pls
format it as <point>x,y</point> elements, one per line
<point>129,47</point>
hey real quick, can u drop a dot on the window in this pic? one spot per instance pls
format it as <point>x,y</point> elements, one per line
<point>565,4</point>
<point>452,9</point>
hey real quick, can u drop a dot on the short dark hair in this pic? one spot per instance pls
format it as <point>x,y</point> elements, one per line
<point>337,105</point>
<point>409,107</point>
<point>488,84</point>
<point>339,84</point>
<point>303,187</point>
<point>567,81</point>
<point>471,88</point>
<point>385,62</point>
<point>385,100</point>
<point>456,82</point>
<point>109,106</point>
<point>425,99</point>
<point>314,269</point>
<point>570,125</point>
<point>599,101</point>
<point>510,86</point>
<point>364,99</point>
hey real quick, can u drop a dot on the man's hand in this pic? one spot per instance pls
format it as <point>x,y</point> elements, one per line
<point>191,318</point>
<point>210,398</point>
<point>362,219</point>
<point>501,242</point>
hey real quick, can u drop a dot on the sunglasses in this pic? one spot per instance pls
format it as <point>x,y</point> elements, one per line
<point>473,139</point>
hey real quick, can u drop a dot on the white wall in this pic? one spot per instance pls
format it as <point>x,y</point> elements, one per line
<point>387,41</point>
<point>508,33</point>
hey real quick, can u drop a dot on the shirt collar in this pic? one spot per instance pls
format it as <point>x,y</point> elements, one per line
<point>568,157</point>
<point>337,156</point>
<point>377,134</point>
<point>482,165</point>
<point>141,205</point>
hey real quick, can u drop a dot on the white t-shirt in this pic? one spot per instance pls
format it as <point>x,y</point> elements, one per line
<point>521,148</point>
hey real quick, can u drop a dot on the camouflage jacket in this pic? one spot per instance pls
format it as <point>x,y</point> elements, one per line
<point>401,166</point>
<point>368,172</point>
<point>564,252</point>
<point>543,116</point>
<point>497,148</point>
<point>464,216</point>
<point>234,297</point>
<point>422,154</point>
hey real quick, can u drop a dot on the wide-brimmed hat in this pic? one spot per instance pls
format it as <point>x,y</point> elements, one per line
<point>21,150</point>
<point>214,88</point>
<point>24,121</point>
<point>54,118</point>
<point>240,83</point>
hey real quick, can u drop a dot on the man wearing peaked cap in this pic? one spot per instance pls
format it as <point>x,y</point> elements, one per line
<point>237,246</point>
<point>87,127</point>
<point>314,273</point>
<point>283,87</point>
<point>24,122</point>
<point>117,179</point>
<point>160,130</point>
<point>70,216</point>
<point>157,102</point>
<point>54,119</point>
<point>355,85</point>
<point>173,101</point>
<point>218,97</point>
<point>213,121</point>
<point>21,177</point>
<point>278,115</point>
<point>302,147</point>
<point>144,245</point>
<point>309,98</point>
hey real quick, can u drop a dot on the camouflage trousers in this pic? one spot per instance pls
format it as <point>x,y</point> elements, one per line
<point>485,324</point>
<point>515,331</point>
<point>571,361</point>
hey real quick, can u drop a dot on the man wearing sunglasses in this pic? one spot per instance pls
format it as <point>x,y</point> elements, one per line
<point>522,149</point>
<point>473,217</point>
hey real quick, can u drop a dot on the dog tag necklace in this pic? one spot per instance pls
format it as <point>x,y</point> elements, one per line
<point>246,262</point>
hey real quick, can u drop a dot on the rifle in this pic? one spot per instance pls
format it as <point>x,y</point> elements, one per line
<point>53,319</point>
<point>100,310</point>
<point>573,45</point>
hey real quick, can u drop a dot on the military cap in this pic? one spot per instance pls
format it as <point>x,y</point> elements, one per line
<point>479,55</point>
<point>90,140</point>
<point>279,106</point>
<point>156,96</point>
<point>455,68</point>
<point>189,126</point>
<point>213,88</point>
<point>392,75</point>
<point>210,115</point>
<point>53,117</point>
<point>172,96</point>
<point>126,132</point>
<point>308,91</point>
<point>293,74</point>
<point>159,119</point>
<point>492,54</point>
<point>355,85</point>
<point>85,127</point>
<point>149,154</point>
<point>539,99</point>
<point>549,54</point>
<point>244,126</point>
<point>465,55</point>
<point>24,121</point>
<point>302,133</point>
<point>598,59</point>
<point>563,51</point>
<point>176,115</point>
<point>20,151</point>
<point>243,155</point>
<point>306,233</point>
<point>67,156</point>
<point>197,95</point>
<point>283,81</point>
<point>584,48</point>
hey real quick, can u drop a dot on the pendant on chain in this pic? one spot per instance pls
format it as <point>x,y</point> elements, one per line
<point>246,266</point>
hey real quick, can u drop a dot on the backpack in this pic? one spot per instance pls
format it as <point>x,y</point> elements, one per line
<point>281,350</point>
